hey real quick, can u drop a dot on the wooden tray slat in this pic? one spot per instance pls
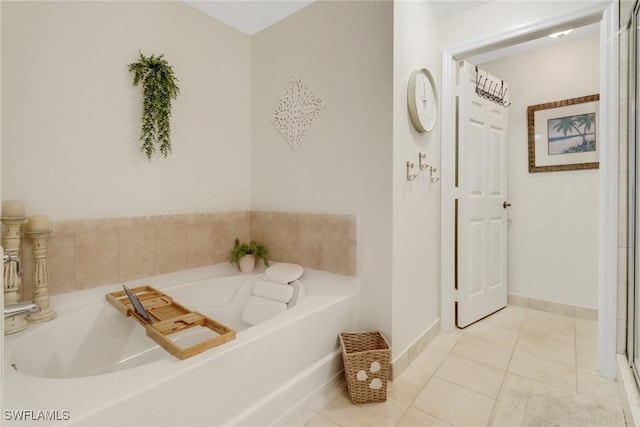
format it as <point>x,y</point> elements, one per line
<point>171,318</point>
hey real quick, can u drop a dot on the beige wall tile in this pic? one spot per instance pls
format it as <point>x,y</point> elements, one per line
<point>92,252</point>
<point>321,241</point>
<point>339,245</point>
<point>96,257</point>
<point>310,240</point>
<point>226,227</point>
<point>61,263</point>
<point>283,236</point>
<point>136,251</point>
<point>85,225</point>
<point>171,245</point>
<point>199,244</point>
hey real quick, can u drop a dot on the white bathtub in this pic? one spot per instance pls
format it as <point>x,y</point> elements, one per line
<point>92,366</point>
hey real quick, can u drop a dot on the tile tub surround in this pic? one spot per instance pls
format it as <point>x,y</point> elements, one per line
<point>86,253</point>
<point>326,242</point>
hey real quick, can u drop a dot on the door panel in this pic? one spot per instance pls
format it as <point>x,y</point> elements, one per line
<point>482,220</point>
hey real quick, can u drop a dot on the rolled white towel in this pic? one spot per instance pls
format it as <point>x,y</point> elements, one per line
<point>283,272</point>
<point>259,309</point>
<point>274,291</point>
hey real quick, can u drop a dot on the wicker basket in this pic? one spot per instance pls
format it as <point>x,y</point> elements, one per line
<point>366,365</point>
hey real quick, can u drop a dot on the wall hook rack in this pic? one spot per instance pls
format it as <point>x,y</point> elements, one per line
<point>494,93</point>
<point>432,174</point>
<point>422,166</point>
<point>410,176</point>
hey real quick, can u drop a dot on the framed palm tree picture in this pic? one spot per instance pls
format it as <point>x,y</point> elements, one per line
<point>563,135</point>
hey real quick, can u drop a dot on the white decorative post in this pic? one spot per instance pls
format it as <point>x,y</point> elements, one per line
<point>40,277</point>
<point>11,274</point>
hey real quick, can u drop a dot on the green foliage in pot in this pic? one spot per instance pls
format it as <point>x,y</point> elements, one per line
<point>241,249</point>
<point>159,87</point>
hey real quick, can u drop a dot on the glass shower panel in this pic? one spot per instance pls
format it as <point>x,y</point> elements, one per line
<point>633,293</point>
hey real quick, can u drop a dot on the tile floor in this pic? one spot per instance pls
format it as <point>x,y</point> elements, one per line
<point>460,378</point>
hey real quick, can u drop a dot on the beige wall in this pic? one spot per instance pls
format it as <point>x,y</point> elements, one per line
<point>71,116</point>
<point>554,217</point>
<point>416,204</point>
<point>342,51</point>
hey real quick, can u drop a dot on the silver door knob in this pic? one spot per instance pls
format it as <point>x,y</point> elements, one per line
<point>505,205</point>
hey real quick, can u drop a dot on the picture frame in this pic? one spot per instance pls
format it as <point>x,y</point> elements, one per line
<point>563,135</point>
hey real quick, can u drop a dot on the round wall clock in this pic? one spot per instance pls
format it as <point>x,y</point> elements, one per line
<point>422,100</point>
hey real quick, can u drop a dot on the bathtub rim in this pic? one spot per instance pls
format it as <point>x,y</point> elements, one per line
<point>18,386</point>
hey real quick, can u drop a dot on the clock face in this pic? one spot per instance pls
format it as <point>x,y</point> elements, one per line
<point>422,102</point>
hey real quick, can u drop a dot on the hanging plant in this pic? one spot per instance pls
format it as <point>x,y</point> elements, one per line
<point>159,87</point>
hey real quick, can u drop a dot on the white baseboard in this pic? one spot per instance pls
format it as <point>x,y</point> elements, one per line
<point>553,307</point>
<point>402,362</point>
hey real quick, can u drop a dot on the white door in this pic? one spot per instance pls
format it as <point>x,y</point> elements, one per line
<point>481,203</point>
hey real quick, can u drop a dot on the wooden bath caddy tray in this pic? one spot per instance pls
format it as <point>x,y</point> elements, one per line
<point>169,317</point>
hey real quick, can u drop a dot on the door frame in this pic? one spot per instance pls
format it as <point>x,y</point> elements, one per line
<point>605,13</point>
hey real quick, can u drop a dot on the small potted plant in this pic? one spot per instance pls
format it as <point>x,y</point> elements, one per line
<point>244,254</point>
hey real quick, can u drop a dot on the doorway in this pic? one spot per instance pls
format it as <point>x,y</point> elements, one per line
<point>606,15</point>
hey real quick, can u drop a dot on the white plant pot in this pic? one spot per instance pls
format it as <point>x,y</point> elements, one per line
<point>247,263</point>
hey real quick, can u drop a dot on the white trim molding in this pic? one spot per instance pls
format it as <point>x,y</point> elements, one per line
<point>606,13</point>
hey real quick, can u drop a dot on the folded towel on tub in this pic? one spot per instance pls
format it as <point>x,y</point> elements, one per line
<point>259,309</point>
<point>273,291</point>
<point>283,272</point>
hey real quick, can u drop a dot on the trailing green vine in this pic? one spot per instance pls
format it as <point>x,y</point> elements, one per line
<point>159,87</point>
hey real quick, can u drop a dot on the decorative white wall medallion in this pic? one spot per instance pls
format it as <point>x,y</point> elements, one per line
<point>299,107</point>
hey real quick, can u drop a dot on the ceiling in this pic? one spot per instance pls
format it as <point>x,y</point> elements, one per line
<point>249,16</point>
<point>533,45</point>
<point>253,16</point>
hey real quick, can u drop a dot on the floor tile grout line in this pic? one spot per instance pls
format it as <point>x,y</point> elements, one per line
<point>506,371</point>
<point>466,388</point>
<point>478,361</point>
<point>495,399</point>
<point>449,350</point>
<point>431,374</point>
<point>426,413</point>
<point>490,342</point>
